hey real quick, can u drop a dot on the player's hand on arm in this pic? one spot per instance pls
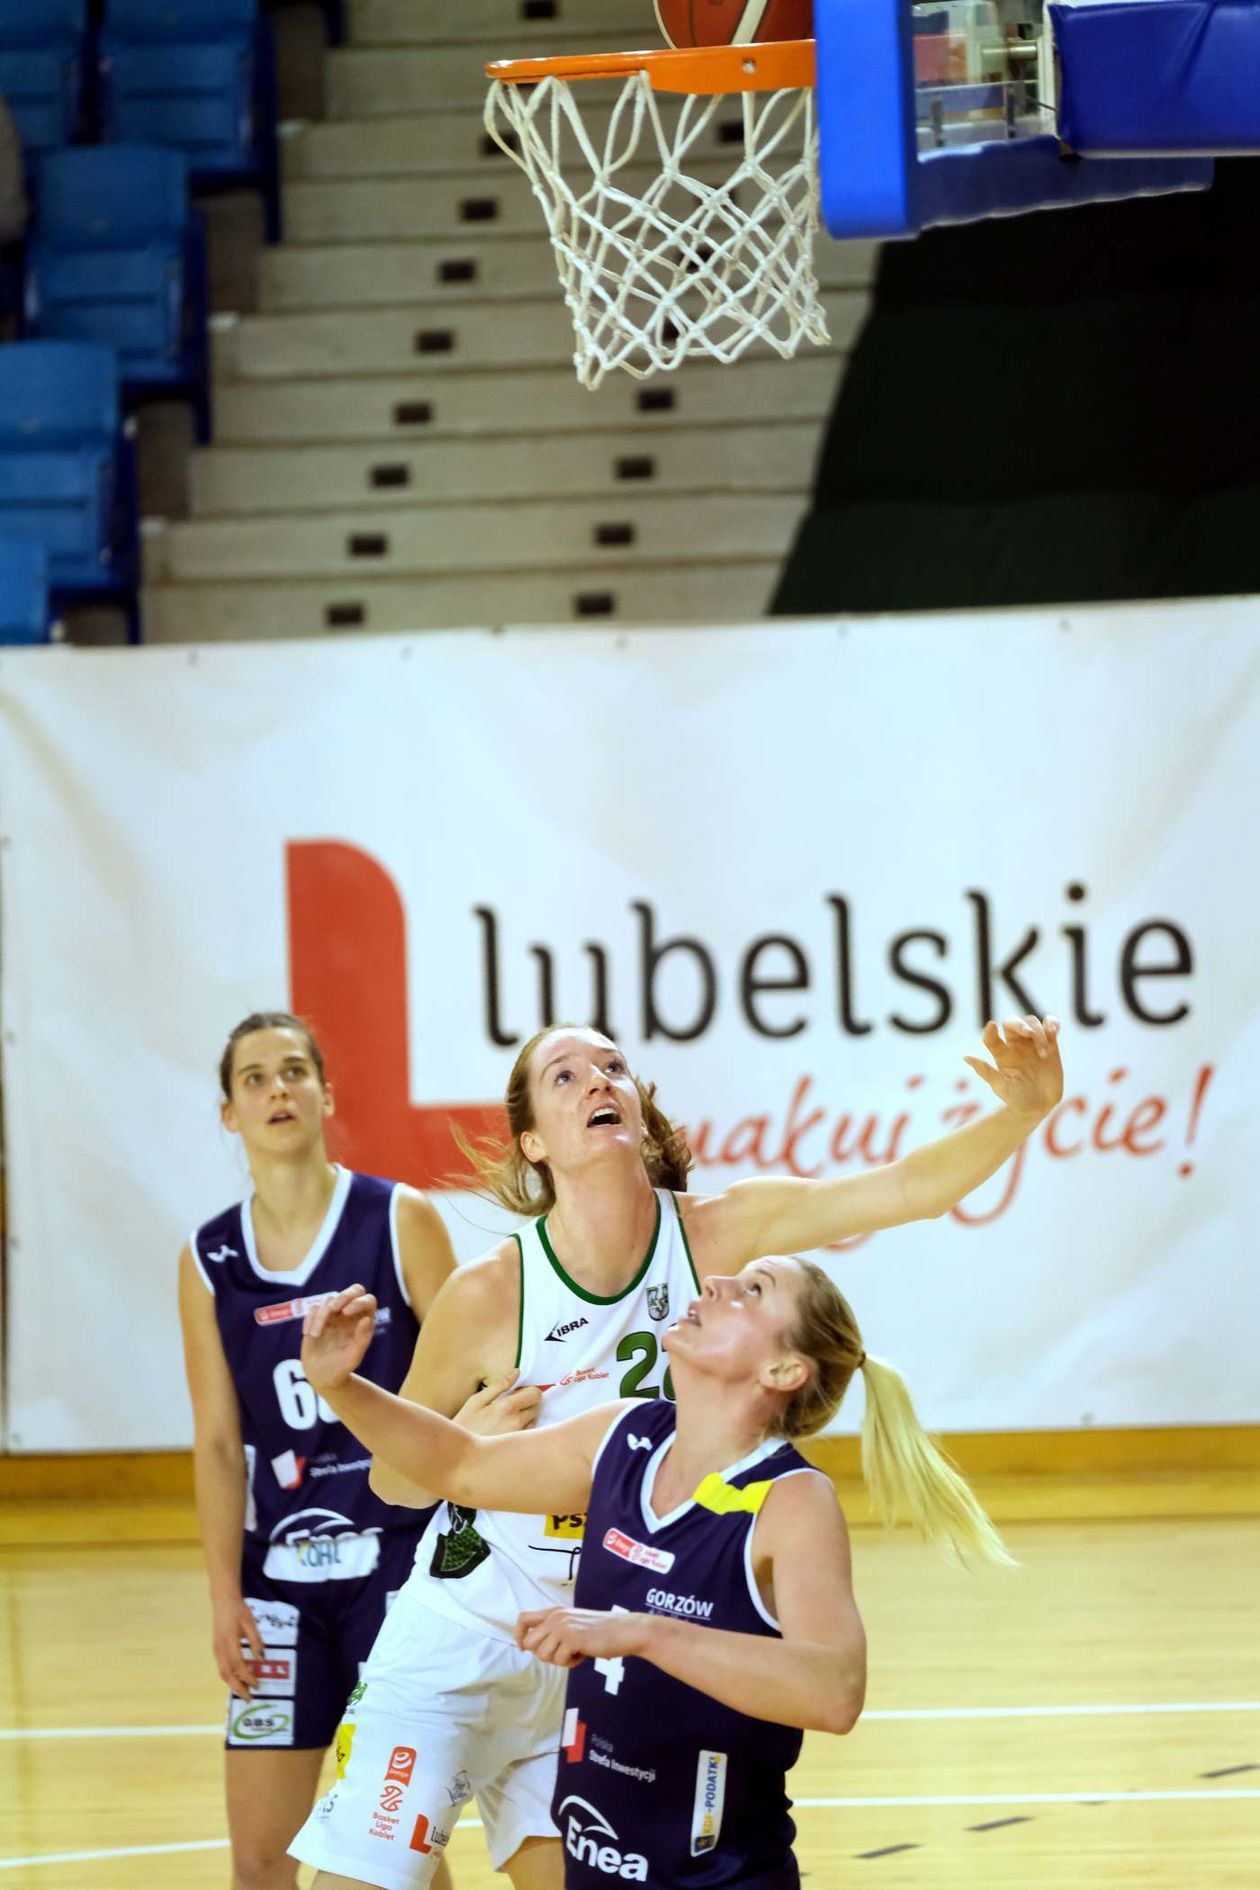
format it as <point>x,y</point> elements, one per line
<point>815,1677</point>
<point>500,1407</point>
<point>527,1470</point>
<point>768,1214</point>
<point>564,1637</point>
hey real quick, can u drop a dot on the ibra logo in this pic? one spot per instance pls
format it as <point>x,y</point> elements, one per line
<point>590,1838</point>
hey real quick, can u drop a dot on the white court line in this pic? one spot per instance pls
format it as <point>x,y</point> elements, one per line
<point>885,1713</point>
<point>812,1804</point>
<point>130,1850</point>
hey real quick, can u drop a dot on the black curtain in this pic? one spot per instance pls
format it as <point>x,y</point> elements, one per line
<point>1062,407</point>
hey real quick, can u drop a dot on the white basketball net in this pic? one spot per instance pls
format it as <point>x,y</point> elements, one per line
<point>659,261</point>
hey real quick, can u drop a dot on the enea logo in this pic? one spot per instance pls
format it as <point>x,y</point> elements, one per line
<point>402,1763</point>
<point>590,1839</point>
<point>262,1725</point>
<point>706,1817</point>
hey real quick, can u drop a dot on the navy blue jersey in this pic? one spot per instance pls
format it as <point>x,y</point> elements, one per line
<point>310,1510</point>
<point>658,1783</point>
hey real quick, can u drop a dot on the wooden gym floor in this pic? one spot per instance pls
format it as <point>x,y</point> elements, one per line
<point>1090,1720</point>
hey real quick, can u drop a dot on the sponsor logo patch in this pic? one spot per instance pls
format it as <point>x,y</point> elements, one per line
<point>569,1528</point>
<point>224,1253</point>
<point>590,1839</point>
<point>706,1815</point>
<point>638,1443</point>
<point>573,1736</point>
<point>287,1469</point>
<point>687,1607</point>
<point>277,1620</point>
<point>425,1839</point>
<point>402,1763</point>
<point>640,1553</point>
<point>345,1740</point>
<point>275,1675</point>
<point>282,1311</point>
<point>459,1791</point>
<point>560,1332</point>
<point>260,1723</point>
<point>321,1545</point>
<point>586,1375</point>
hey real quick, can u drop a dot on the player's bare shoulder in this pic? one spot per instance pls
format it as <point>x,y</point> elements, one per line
<point>482,1300</point>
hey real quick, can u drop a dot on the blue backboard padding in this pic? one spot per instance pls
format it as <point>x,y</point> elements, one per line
<point>993,180</point>
<point>865,116</point>
<point>1159,75</point>
<point>874,182</point>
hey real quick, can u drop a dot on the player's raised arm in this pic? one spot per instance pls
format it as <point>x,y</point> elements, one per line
<point>531,1471</point>
<point>773,1215</point>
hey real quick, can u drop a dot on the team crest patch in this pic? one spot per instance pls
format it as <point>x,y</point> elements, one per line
<point>658,1301</point>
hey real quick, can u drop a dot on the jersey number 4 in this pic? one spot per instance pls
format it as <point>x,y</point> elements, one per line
<point>642,1348</point>
<point>299,1405</point>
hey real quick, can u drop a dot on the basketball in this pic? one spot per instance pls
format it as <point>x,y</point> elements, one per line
<point>733,22</point>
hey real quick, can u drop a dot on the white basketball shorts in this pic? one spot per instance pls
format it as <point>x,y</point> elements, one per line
<point>440,1715</point>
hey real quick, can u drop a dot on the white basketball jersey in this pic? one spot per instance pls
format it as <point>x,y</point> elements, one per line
<point>486,1566</point>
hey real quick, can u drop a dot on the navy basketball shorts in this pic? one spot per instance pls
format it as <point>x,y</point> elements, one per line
<point>317,1632</point>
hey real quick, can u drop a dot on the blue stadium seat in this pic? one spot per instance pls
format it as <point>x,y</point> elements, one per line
<point>25,616</point>
<point>119,256</point>
<point>67,468</point>
<point>198,75</point>
<point>42,67</point>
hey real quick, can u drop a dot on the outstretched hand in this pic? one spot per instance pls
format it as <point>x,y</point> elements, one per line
<point>1026,1073</point>
<point>335,1336</point>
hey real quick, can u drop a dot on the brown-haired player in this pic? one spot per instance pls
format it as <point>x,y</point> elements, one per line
<point>303,1559</point>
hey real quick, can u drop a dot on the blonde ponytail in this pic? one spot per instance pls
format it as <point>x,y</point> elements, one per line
<point>907,1475</point>
<point>901,1466</point>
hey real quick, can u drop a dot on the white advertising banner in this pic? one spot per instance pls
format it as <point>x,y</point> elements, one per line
<point>793,868</point>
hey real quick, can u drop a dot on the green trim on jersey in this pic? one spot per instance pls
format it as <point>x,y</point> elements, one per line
<point>520,1303</point>
<point>595,1299</point>
<point>682,1228</point>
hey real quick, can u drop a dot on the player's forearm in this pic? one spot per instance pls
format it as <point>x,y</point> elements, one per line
<point>939,1175</point>
<point>406,1440</point>
<point>219,1488</point>
<point>792,1683</point>
<point>392,1488</point>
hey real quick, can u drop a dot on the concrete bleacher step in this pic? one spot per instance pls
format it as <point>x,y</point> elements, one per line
<point>548,24</point>
<point>412,143</point>
<point>425,540</point>
<point>368,82</point>
<point>417,406</point>
<point>459,269</point>
<point>719,591</point>
<point>241,481</point>
<point>446,338</point>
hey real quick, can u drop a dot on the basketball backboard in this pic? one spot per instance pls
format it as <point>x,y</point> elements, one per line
<point>945,111</point>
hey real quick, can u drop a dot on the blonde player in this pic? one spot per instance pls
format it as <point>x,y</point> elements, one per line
<point>575,1305</point>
